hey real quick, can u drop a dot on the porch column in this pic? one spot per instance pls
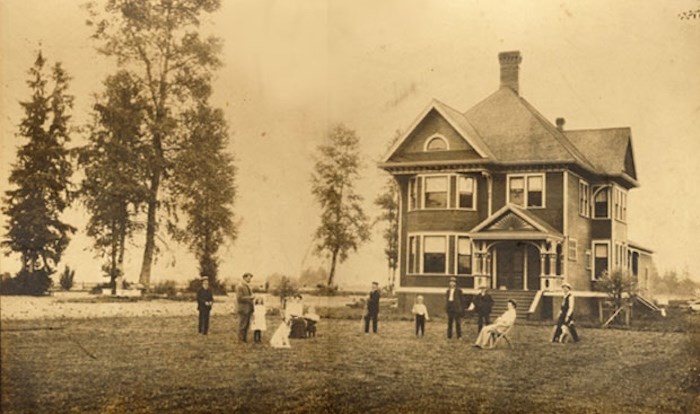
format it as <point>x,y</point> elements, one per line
<point>543,281</point>
<point>487,269</point>
<point>552,263</point>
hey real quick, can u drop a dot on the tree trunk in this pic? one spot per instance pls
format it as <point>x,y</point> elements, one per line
<point>149,249</point>
<point>331,275</point>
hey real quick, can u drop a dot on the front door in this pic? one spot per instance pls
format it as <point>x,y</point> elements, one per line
<point>509,266</point>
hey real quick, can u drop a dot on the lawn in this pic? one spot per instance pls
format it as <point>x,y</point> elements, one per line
<point>160,364</point>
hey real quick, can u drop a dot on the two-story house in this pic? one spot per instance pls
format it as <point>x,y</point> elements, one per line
<point>498,196</point>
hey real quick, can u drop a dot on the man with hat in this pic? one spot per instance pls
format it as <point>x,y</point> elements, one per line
<point>205,300</point>
<point>483,303</point>
<point>245,306</point>
<point>372,313</point>
<point>455,308</point>
<point>566,313</point>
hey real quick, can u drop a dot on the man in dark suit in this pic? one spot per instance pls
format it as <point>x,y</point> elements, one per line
<point>483,303</point>
<point>205,300</point>
<point>372,308</point>
<point>455,308</point>
<point>244,299</point>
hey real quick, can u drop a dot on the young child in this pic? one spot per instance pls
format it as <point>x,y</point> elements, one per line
<point>259,324</point>
<point>421,313</point>
<point>280,339</point>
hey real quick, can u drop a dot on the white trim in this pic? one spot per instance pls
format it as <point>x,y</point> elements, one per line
<point>420,196</point>
<point>565,184</point>
<point>525,177</point>
<point>587,212</point>
<point>471,255</point>
<point>399,250</point>
<point>475,192</point>
<point>425,186</point>
<point>417,121</point>
<point>508,207</point>
<point>593,195</point>
<point>431,138</point>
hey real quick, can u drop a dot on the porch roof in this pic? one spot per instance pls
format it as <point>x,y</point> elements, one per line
<point>514,223</point>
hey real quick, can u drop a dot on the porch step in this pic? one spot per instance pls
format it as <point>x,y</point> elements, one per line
<point>523,298</point>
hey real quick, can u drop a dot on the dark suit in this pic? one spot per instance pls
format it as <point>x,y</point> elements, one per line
<point>482,306</point>
<point>244,299</point>
<point>204,303</point>
<point>372,311</point>
<point>565,319</point>
<point>455,310</point>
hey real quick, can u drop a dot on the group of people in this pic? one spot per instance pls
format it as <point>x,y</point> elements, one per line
<point>481,304</point>
<point>251,314</point>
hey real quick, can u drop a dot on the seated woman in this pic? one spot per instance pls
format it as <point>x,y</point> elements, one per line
<point>501,324</point>
<point>294,315</point>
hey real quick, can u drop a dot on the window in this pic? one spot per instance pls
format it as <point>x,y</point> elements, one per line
<point>435,192</point>
<point>573,250</point>
<point>413,193</point>
<point>412,254</point>
<point>583,198</point>
<point>436,143</point>
<point>600,262</point>
<point>526,190</point>
<point>435,254</point>
<point>620,204</point>
<point>600,204</point>
<point>464,256</point>
<point>465,189</point>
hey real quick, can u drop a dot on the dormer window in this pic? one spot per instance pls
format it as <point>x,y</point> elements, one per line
<point>436,143</point>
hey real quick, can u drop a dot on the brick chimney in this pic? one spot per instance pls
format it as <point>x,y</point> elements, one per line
<point>510,64</point>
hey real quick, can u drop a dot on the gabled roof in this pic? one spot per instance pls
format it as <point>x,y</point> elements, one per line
<point>609,149</point>
<point>512,221</point>
<point>455,119</point>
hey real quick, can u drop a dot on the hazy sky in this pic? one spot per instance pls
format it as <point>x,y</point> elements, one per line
<point>293,67</point>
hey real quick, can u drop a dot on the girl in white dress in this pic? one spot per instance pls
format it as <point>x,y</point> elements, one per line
<point>259,324</point>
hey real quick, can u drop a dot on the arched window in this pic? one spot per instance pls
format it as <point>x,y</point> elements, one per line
<point>436,143</point>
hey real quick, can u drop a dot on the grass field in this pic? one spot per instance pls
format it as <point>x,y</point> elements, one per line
<point>160,364</point>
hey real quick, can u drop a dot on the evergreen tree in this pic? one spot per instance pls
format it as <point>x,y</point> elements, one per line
<point>159,44</point>
<point>40,179</point>
<point>344,224</point>
<point>115,185</point>
<point>203,187</point>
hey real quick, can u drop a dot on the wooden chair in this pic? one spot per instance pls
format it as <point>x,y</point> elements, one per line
<point>497,336</point>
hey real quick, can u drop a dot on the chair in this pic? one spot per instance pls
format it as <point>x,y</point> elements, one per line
<point>497,336</point>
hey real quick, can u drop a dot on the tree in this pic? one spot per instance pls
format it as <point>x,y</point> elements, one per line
<point>158,43</point>
<point>388,201</point>
<point>621,288</point>
<point>203,187</point>
<point>115,185</point>
<point>67,278</point>
<point>344,225</point>
<point>41,180</point>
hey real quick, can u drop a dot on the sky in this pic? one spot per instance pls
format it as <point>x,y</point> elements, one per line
<point>292,68</point>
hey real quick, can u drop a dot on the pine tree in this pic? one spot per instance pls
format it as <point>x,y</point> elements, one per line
<point>344,224</point>
<point>41,180</point>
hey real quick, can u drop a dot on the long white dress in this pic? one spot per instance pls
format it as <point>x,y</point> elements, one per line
<point>259,323</point>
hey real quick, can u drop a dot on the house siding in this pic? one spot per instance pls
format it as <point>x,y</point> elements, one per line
<point>578,228</point>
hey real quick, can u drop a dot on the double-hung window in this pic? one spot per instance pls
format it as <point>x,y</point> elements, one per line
<point>601,259</point>
<point>435,194</point>
<point>583,198</point>
<point>465,192</point>
<point>434,254</point>
<point>526,190</point>
<point>601,203</point>
<point>464,256</point>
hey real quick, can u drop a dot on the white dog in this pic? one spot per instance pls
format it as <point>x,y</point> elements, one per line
<point>280,339</point>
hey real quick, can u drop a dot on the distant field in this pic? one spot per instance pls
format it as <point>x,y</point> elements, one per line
<point>159,364</point>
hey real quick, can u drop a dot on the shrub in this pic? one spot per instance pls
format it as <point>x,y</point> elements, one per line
<point>98,288</point>
<point>325,290</point>
<point>166,287</point>
<point>67,278</point>
<point>35,283</point>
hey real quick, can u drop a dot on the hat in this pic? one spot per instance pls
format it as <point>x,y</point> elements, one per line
<point>483,287</point>
<point>204,278</point>
<point>565,285</point>
<point>453,279</point>
<point>247,275</point>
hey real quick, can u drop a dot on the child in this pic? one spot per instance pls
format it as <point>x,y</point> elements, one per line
<point>259,324</point>
<point>421,313</point>
<point>280,339</point>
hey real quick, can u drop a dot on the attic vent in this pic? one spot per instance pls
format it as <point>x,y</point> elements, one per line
<point>436,143</point>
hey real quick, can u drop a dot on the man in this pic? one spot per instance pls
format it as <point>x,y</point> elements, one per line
<point>205,300</point>
<point>372,308</point>
<point>502,323</point>
<point>566,314</point>
<point>455,308</point>
<point>244,299</point>
<point>483,303</point>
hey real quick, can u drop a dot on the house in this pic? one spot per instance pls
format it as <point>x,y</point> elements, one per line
<point>498,196</point>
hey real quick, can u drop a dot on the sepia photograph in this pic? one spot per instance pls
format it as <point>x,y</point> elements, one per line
<point>328,206</point>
